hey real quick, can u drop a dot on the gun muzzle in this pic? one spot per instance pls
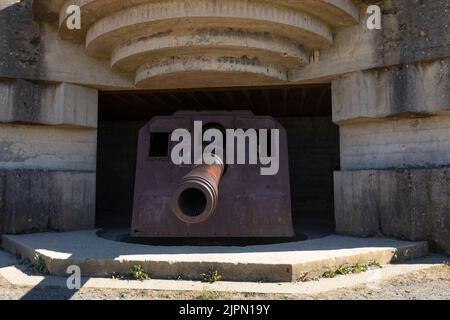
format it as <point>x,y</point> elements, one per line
<point>196,198</point>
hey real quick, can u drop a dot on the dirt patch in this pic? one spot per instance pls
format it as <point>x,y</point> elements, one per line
<point>430,284</point>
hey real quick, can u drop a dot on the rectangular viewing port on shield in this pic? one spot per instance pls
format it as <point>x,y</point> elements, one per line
<point>159,144</point>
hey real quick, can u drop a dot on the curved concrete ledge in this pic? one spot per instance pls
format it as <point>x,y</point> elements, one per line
<point>142,34</point>
<point>269,49</point>
<point>207,72</point>
<point>139,21</point>
<point>336,13</point>
<point>271,263</point>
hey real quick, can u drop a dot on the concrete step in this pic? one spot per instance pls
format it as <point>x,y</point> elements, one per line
<point>286,262</point>
<point>372,279</point>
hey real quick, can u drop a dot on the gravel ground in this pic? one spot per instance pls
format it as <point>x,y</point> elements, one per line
<point>433,283</point>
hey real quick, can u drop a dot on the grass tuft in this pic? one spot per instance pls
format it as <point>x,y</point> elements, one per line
<point>138,273</point>
<point>211,276</point>
<point>351,269</point>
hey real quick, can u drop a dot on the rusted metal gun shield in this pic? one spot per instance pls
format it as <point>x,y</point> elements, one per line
<point>250,205</point>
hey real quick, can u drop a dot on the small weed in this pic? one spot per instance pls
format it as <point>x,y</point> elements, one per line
<point>351,269</point>
<point>208,296</point>
<point>138,273</point>
<point>374,264</point>
<point>329,274</point>
<point>39,264</point>
<point>211,276</point>
<point>359,268</point>
<point>345,269</point>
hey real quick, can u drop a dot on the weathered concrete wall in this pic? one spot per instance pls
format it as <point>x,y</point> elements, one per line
<point>407,204</point>
<point>30,49</point>
<point>402,91</point>
<point>416,143</point>
<point>60,104</point>
<point>393,119</point>
<point>20,40</point>
<point>47,178</point>
<point>412,31</point>
<point>47,132</point>
<point>40,200</point>
<point>48,145</point>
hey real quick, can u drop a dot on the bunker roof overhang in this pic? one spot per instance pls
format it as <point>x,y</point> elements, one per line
<point>202,43</point>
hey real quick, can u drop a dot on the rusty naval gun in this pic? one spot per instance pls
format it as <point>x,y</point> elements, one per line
<point>208,200</point>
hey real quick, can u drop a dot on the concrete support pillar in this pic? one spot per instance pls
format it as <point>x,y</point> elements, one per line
<point>395,153</point>
<point>48,142</point>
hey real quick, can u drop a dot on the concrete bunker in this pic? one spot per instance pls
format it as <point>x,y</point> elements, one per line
<point>390,100</point>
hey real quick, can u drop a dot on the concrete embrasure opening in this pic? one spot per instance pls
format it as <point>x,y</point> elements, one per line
<point>304,111</point>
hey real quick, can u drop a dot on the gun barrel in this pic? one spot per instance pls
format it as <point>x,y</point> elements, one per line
<point>196,198</point>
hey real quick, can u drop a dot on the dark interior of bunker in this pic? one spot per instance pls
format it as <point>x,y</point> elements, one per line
<point>305,112</point>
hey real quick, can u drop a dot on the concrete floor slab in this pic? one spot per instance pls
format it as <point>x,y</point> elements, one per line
<point>372,279</point>
<point>6,259</point>
<point>267,263</point>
